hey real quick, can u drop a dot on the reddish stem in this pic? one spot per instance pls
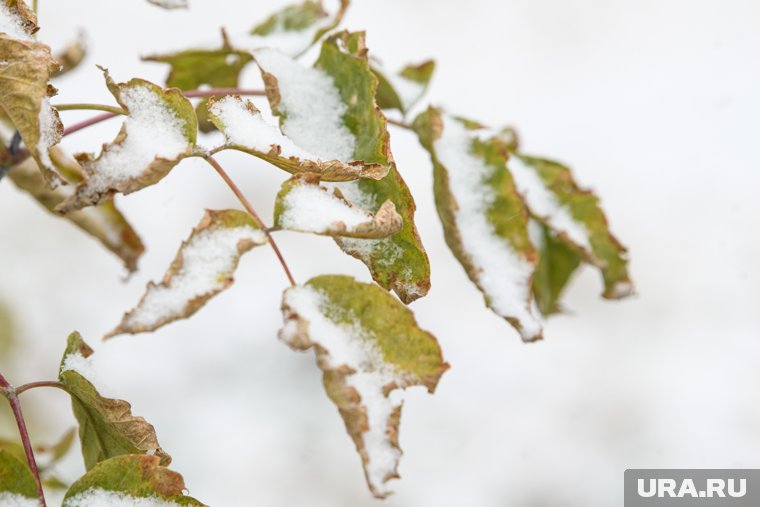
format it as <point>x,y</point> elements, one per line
<point>41,383</point>
<point>11,394</point>
<point>252,212</point>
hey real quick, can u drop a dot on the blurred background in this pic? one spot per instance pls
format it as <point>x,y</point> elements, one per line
<point>654,103</point>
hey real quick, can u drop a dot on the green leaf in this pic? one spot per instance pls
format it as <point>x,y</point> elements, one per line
<point>302,205</point>
<point>170,4</point>
<point>16,481</point>
<point>126,478</point>
<point>203,268</point>
<point>484,219</point>
<point>403,90</point>
<point>574,214</point>
<point>107,427</point>
<point>104,222</point>
<point>369,347</point>
<point>26,67</point>
<point>556,264</point>
<point>159,131</point>
<point>297,27</point>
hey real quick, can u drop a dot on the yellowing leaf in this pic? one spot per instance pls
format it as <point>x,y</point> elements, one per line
<point>574,214</point>
<point>484,220</point>
<point>556,265</point>
<point>104,222</point>
<point>25,70</point>
<point>129,480</point>
<point>302,205</point>
<point>17,485</point>
<point>203,268</point>
<point>370,348</point>
<point>402,90</point>
<point>107,427</point>
<point>296,28</point>
<point>160,130</point>
<point>71,56</point>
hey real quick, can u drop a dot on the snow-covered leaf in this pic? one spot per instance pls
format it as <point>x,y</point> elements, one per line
<point>303,205</point>
<point>554,198</point>
<point>129,481</point>
<point>297,27</point>
<point>556,264</point>
<point>17,485</point>
<point>160,130</point>
<point>203,268</point>
<point>104,222</point>
<point>369,347</point>
<point>484,219</point>
<point>71,56</point>
<point>107,427</point>
<point>404,89</point>
<point>170,4</point>
<point>26,67</point>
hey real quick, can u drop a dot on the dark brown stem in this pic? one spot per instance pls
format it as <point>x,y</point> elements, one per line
<point>247,205</point>
<point>42,383</point>
<point>11,395</point>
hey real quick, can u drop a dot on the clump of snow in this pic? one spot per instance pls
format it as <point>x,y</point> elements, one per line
<point>84,366</point>
<point>310,208</point>
<point>250,130</point>
<point>14,500</point>
<point>503,274</point>
<point>207,260</point>
<point>353,346</point>
<point>312,106</point>
<point>49,133</point>
<point>11,24</point>
<point>545,205</point>
<point>97,497</point>
<point>153,130</point>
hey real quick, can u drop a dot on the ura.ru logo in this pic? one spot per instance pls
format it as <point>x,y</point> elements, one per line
<point>670,488</point>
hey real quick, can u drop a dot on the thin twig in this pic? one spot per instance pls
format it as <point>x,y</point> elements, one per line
<point>247,205</point>
<point>400,123</point>
<point>11,395</point>
<point>42,383</point>
<point>90,107</point>
<point>92,121</point>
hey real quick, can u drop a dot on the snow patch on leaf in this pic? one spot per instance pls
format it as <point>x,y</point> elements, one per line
<point>77,362</point>
<point>14,500</point>
<point>50,131</point>
<point>12,24</point>
<point>98,497</point>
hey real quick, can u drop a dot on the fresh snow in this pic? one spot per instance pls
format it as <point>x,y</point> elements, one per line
<point>312,107</point>
<point>153,130</point>
<point>49,134</point>
<point>310,208</point>
<point>250,129</point>
<point>208,258</point>
<point>503,274</point>
<point>84,366</point>
<point>97,497</point>
<point>11,24</point>
<point>353,346</point>
<point>545,205</point>
<point>13,500</point>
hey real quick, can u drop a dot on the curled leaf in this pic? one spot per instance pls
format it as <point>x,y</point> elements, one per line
<point>404,89</point>
<point>17,485</point>
<point>129,480</point>
<point>104,222</point>
<point>160,129</point>
<point>71,56</point>
<point>484,220</point>
<point>203,268</point>
<point>574,214</point>
<point>296,28</point>
<point>556,264</point>
<point>302,205</point>
<point>369,347</point>
<point>107,427</point>
<point>170,4</point>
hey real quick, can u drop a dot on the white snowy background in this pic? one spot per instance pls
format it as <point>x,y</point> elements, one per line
<point>655,105</point>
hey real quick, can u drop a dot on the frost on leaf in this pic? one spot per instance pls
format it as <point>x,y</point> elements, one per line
<point>26,67</point>
<point>303,205</point>
<point>484,220</point>
<point>129,481</point>
<point>107,427</point>
<point>557,262</point>
<point>404,89</point>
<point>203,268</point>
<point>160,130</point>
<point>369,347</point>
<point>104,222</point>
<point>170,4</point>
<point>193,68</point>
<point>297,27</point>
<point>17,485</point>
<point>574,214</point>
